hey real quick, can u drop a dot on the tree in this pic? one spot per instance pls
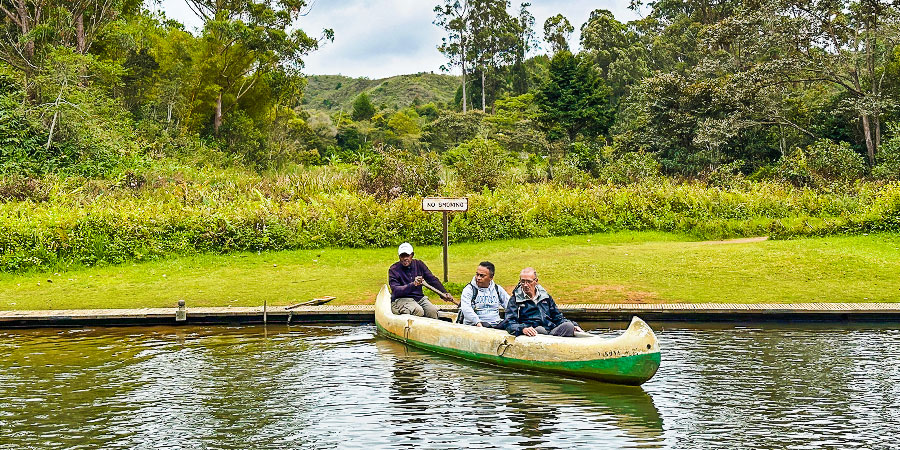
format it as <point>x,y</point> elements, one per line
<point>494,37</point>
<point>453,16</point>
<point>363,109</point>
<point>524,43</point>
<point>246,39</point>
<point>616,49</point>
<point>557,30</point>
<point>574,100</point>
<point>844,43</point>
<point>32,27</point>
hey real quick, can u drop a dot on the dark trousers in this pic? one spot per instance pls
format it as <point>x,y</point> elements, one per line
<point>565,329</point>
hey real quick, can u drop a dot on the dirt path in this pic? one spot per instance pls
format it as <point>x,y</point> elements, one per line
<point>736,241</point>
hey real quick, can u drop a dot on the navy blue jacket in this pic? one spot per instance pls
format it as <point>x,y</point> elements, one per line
<point>522,312</point>
<point>401,278</point>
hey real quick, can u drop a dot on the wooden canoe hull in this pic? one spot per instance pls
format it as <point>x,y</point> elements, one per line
<point>631,358</point>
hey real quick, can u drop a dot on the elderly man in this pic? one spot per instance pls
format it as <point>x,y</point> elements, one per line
<point>481,300</point>
<point>406,278</point>
<point>532,311</point>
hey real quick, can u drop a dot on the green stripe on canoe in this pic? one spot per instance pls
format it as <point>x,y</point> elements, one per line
<point>633,370</point>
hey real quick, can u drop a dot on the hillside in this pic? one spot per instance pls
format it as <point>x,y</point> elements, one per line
<point>336,92</point>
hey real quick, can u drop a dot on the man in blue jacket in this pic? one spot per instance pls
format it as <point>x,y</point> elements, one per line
<point>532,311</point>
<point>406,277</point>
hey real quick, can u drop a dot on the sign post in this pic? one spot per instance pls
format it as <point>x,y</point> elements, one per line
<point>445,205</point>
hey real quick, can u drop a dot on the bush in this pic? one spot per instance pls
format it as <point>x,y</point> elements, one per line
<point>186,211</point>
<point>887,161</point>
<point>394,173</point>
<point>587,157</point>
<point>20,188</point>
<point>452,128</point>
<point>482,164</point>
<point>631,167</point>
<point>823,164</point>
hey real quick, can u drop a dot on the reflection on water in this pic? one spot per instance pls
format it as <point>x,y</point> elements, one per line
<point>340,386</point>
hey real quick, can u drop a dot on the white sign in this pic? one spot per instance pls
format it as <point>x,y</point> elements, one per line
<point>445,204</point>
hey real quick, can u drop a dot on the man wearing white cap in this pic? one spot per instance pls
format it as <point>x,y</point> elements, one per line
<point>405,278</point>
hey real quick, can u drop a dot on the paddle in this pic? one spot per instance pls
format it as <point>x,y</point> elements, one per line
<point>313,302</point>
<point>441,294</point>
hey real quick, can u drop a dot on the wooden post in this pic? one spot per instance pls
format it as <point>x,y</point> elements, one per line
<point>446,243</point>
<point>445,205</point>
<point>181,313</point>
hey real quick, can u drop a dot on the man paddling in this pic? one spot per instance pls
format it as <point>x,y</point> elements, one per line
<point>532,311</point>
<point>406,277</point>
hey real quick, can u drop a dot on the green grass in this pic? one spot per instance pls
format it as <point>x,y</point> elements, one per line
<point>618,267</point>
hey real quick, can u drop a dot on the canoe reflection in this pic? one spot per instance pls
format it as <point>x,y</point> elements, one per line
<point>531,406</point>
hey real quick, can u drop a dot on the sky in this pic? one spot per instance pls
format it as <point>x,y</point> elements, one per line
<point>382,38</point>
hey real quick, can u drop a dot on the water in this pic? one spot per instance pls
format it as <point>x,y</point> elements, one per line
<point>770,387</point>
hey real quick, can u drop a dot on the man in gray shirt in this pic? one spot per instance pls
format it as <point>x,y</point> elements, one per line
<point>482,299</point>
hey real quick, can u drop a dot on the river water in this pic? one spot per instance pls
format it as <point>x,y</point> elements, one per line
<point>759,387</point>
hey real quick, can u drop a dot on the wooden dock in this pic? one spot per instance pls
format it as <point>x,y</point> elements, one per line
<point>681,312</point>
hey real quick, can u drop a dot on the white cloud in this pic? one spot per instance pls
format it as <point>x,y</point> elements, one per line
<point>381,38</point>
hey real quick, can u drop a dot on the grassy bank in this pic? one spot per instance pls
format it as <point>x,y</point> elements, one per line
<point>60,224</point>
<point>647,267</point>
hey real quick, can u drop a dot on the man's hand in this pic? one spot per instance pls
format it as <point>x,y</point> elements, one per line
<point>577,328</point>
<point>530,331</point>
<point>448,297</point>
<point>418,281</point>
<point>478,324</point>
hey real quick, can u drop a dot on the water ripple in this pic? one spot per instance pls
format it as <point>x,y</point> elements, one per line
<point>342,387</point>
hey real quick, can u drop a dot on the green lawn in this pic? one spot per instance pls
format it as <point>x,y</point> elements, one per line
<point>618,267</point>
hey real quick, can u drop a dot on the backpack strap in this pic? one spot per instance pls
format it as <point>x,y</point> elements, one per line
<point>459,317</point>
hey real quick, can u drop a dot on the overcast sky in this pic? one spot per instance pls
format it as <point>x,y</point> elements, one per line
<point>381,38</point>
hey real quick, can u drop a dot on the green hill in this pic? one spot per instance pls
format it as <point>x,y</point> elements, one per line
<point>335,92</point>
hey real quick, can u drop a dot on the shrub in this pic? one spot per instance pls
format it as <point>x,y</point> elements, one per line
<point>587,157</point>
<point>452,128</point>
<point>394,173</point>
<point>20,188</point>
<point>186,211</point>
<point>822,164</point>
<point>631,167</point>
<point>887,161</point>
<point>482,164</point>
<point>727,175</point>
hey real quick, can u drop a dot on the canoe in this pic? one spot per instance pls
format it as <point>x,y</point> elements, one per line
<point>630,358</point>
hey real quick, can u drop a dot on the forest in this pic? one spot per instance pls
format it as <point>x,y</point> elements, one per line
<point>124,136</point>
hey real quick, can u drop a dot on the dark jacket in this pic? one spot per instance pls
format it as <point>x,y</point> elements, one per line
<point>522,312</point>
<point>401,278</point>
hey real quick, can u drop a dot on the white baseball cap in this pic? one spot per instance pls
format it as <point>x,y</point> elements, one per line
<point>405,247</point>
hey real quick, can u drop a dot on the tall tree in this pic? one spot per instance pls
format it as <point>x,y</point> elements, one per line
<point>844,43</point>
<point>524,43</point>
<point>453,17</point>
<point>574,100</point>
<point>494,36</point>
<point>30,27</point>
<point>247,39</point>
<point>363,109</point>
<point>616,49</point>
<point>557,30</point>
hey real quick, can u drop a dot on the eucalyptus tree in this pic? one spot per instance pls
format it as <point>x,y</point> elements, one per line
<point>454,17</point>
<point>495,35</point>
<point>557,30</point>
<point>244,40</point>
<point>525,41</point>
